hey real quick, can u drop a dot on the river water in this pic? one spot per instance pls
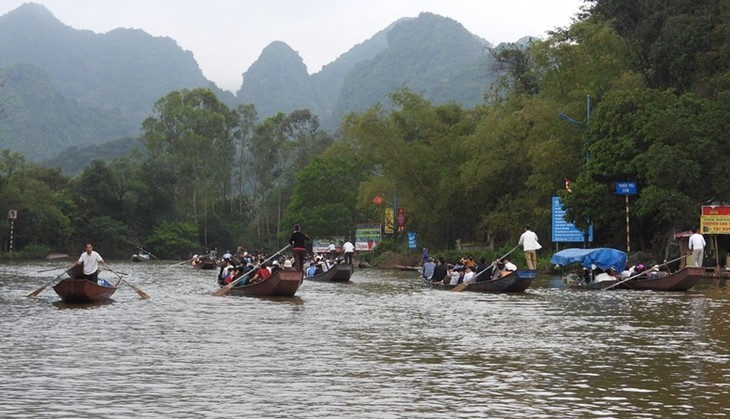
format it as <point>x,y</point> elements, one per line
<point>379,347</point>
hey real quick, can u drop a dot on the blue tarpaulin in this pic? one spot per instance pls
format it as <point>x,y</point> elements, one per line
<point>602,258</point>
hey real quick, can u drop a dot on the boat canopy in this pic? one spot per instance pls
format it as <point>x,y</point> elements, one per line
<point>603,258</point>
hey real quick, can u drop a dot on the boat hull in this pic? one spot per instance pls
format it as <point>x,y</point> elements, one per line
<point>681,280</point>
<point>281,283</point>
<point>78,290</point>
<point>525,278</point>
<point>498,285</point>
<point>340,272</point>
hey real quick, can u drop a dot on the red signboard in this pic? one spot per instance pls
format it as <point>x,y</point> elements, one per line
<point>715,220</point>
<point>401,219</point>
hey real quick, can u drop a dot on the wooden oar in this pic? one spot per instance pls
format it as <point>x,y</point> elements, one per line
<point>51,269</point>
<point>463,285</point>
<point>139,292</point>
<point>40,290</point>
<point>641,273</point>
<point>180,263</point>
<point>224,290</point>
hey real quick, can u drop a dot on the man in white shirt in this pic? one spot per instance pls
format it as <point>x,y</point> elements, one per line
<point>529,243</point>
<point>697,246</point>
<point>349,250</point>
<point>90,261</point>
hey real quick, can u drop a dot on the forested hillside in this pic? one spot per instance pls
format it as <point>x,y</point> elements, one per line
<point>632,109</point>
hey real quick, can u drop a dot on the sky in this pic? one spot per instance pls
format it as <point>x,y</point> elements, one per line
<point>227,36</point>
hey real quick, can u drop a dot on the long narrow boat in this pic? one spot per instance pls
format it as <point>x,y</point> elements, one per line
<point>339,272</point>
<point>281,283</point>
<point>498,285</point>
<point>682,280</point>
<point>77,289</point>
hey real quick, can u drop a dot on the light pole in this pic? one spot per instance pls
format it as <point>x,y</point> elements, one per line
<point>586,143</point>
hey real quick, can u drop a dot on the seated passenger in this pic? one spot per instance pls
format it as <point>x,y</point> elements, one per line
<point>311,270</point>
<point>609,275</point>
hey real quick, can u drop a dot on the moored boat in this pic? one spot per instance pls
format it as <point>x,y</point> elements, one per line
<point>77,289</point>
<point>339,272</point>
<point>283,283</point>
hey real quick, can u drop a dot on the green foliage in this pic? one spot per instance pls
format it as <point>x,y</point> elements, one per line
<point>174,239</point>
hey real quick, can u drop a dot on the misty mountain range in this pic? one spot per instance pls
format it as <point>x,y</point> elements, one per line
<point>62,87</point>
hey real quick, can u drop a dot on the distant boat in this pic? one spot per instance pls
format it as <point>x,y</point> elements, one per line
<point>516,281</point>
<point>339,272</point>
<point>141,257</point>
<point>57,256</point>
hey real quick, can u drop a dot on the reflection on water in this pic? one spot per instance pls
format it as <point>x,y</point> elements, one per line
<point>380,346</point>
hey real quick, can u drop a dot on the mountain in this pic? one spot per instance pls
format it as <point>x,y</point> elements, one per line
<point>76,87</point>
<point>63,87</point>
<point>431,55</point>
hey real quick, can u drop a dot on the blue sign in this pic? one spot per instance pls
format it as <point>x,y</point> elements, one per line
<point>626,188</point>
<point>563,231</point>
<point>411,239</point>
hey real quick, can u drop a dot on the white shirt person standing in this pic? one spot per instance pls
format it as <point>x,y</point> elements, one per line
<point>90,261</point>
<point>530,246</point>
<point>697,246</point>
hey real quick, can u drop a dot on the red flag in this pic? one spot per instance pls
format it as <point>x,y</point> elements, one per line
<point>567,184</point>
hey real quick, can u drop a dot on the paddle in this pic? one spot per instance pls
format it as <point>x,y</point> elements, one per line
<point>51,269</point>
<point>224,290</point>
<point>40,290</point>
<point>180,263</point>
<point>641,273</point>
<point>463,285</point>
<point>139,292</point>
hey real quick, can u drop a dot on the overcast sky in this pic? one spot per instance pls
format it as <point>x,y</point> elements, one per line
<point>227,36</point>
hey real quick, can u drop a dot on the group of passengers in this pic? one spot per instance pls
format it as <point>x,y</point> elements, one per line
<point>321,264</point>
<point>587,275</point>
<point>465,270</point>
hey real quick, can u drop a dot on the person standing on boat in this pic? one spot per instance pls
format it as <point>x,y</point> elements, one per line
<point>528,241</point>
<point>90,261</point>
<point>298,241</point>
<point>349,250</point>
<point>697,246</point>
<point>332,251</point>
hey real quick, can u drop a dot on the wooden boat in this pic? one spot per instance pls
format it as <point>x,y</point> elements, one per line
<point>339,272</point>
<point>682,280</point>
<point>205,262</point>
<point>281,283</point>
<point>77,289</point>
<point>498,285</point>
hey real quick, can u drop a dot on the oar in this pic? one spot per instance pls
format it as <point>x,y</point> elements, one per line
<point>139,292</point>
<point>40,290</point>
<point>50,269</point>
<point>463,285</point>
<point>224,290</point>
<point>180,263</point>
<point>641,273</point>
